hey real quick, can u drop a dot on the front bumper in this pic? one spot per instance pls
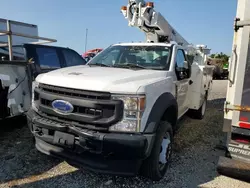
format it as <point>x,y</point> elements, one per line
<point>111,153</point>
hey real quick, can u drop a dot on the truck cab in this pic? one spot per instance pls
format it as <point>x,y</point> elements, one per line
<point>118,113</point>
<point>45,57</point>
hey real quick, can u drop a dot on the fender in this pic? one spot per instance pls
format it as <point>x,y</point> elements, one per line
<point>165,101</point>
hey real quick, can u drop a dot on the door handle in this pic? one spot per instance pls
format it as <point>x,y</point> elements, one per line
<point>190,82</point>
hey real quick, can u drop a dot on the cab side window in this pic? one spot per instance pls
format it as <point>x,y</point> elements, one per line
<point>181,66</point>
<point>72,58</point>
<point>48,58</point>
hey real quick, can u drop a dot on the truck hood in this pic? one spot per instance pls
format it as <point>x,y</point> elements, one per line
<point>114,80</point>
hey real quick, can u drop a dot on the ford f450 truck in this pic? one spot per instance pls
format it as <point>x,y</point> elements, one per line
<point>118,114</point>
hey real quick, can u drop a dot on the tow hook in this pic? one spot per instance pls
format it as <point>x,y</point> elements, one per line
<point>38,131</point>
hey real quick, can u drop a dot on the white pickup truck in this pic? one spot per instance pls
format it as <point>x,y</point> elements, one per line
<point>118,114</point>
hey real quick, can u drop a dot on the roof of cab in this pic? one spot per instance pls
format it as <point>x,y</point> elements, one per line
<point>143,44</point>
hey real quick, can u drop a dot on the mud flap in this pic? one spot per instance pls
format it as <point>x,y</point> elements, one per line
<point>15,91</point>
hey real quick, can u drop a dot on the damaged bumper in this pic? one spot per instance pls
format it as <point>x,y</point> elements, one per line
<point>111,153</point>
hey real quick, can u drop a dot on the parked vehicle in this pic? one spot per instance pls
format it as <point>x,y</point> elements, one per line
<point>220,70</point>
<point>22,62</point>
<point>118,114</point>
<point>236,162</point>
<point>91,53</point>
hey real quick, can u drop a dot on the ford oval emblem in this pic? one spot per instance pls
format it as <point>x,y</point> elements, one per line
<point>62,107</point>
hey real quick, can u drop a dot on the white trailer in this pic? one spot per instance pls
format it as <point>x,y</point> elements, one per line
<point>236,162</point>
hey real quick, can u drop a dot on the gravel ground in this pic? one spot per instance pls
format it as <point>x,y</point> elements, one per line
<point>194,159</point>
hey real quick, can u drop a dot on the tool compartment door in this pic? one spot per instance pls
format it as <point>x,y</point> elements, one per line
<point>197,89</point>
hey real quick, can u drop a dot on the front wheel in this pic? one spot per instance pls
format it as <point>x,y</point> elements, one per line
<point>156,165</point>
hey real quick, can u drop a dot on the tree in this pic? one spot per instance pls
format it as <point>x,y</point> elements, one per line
<point>212,55</point>
<point>222,56</point>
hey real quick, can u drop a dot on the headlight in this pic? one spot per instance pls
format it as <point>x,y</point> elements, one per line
<point>35,96</point>
<point>133,109</point>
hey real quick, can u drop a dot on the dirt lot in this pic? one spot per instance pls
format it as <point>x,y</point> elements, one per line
<point>194,161</point>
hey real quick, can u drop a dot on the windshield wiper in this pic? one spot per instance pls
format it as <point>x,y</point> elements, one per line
<point>129,65</point>
<point>99,64</point>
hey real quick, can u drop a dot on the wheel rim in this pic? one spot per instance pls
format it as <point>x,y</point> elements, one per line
<point>204,107</point>
<point>165,151</point>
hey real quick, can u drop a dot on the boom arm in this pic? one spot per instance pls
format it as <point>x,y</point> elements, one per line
<point>157,29</point>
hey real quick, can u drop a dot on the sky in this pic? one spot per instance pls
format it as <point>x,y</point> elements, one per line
<point>208,22</point>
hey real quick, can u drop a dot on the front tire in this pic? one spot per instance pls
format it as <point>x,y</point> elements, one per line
<point>156,165</point>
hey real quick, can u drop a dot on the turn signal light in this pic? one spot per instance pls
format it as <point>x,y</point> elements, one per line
<point>150,4</point>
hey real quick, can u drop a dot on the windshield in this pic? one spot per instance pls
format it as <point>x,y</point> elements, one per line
<point>149,57</point>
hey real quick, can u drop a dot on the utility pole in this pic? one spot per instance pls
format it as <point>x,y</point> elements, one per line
<point>86,39</point>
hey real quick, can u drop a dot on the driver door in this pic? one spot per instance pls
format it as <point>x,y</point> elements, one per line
<point>182,85</point>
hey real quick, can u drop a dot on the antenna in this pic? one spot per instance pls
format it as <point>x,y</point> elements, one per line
<point>86,39</point>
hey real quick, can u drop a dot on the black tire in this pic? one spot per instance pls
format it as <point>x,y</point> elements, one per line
<point>151,166</point>
<point>200,113</point>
